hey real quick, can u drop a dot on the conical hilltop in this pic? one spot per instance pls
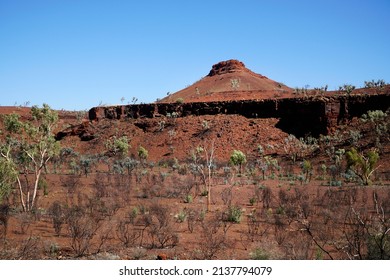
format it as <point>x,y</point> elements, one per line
<point>230,80</point>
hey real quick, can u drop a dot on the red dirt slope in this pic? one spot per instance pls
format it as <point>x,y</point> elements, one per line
<point>230,80</point>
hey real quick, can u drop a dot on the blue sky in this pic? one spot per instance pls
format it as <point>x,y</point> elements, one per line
<point>76,54</point>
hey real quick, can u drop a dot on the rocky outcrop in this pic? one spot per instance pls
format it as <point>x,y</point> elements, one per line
<point>83,131</point>
<point>228,66</point>
<point>298,116</point>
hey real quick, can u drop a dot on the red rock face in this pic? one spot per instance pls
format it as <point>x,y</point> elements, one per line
<point>83,131</point>
<point>227,66</point>
<point>299,116</point>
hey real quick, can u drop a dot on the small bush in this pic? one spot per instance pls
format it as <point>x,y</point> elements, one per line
<point>188,199</point>
<point>133,214</point>
<point>348,89</point>
<point>374,84</point>
<point>143,153</point>
<point>180,100</point>
<point>280,210</point>
<point>57,214</point>
<point>202,214</point>
<point>52,249</point>
<point>118,146</point>
<point>181,216</point>
<point>139,253</point>
<point>362,165</point>
<point>42,184</point>
<point>233,214</point>
<point>25,220</point>
<point>205,125</point>
<point>259,254</point>
<point>4,217</point>
<point>335,183</point>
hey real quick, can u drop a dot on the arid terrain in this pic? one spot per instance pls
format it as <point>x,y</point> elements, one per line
<point>235,166</point>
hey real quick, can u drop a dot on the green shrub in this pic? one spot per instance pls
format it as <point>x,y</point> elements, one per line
<point>374,116</point>
<point>259,254</point>
<point>181,216</point>
<point>374,84</point>
<point>280,210</point>
<point>238,158</point>
<point>347,88</point>
<point>180,100</point>
<point>8,177</point>
<point>362,165</point>
<point>188,199</point>
<point>118,146</point>
<point>143,153</point>
<point>233,214</point>
<point>378,247</point>
<point>335,183</point>
<point>133,214</point>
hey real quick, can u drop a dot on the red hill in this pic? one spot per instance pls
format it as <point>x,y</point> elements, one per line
<point>230,80</point>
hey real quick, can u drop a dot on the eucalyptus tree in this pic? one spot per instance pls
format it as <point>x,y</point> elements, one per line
<point>27,147</point>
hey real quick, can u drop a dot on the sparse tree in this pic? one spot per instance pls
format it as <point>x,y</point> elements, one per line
<point>206,170</point>
<point>86,163</point>
<point>238,158</point>
<point>379,84</point>
<point>130,164</point>
<point>347,88</point>
<point>307,169</point>
<point>28,147</point>
<point>57,213</point>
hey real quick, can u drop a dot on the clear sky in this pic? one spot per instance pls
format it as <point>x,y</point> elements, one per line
<point>76,54</point>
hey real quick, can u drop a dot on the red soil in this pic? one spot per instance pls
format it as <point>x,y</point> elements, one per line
<point>231,80</point>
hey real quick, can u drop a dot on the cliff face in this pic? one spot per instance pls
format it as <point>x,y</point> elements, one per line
<point>299,116</point>
<point>230,66</point>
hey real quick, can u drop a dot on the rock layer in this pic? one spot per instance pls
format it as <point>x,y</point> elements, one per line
<point>228,66</point>
<point>299,116</point>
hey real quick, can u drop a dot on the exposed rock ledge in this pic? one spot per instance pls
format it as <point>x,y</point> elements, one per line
<point>298,116</point>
